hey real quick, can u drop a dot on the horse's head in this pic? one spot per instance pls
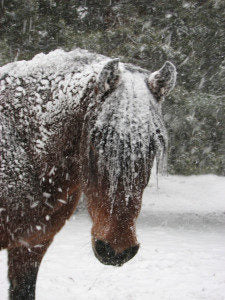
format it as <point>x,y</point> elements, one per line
<point>125,132</point>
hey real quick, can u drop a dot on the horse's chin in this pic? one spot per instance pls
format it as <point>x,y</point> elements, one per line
<point>107,255</point>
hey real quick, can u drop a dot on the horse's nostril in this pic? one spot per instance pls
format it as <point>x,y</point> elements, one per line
<point>132,251</point>
<point>103,249</point>
<point>106,254</point>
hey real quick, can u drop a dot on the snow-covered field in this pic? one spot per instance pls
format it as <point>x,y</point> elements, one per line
<point>182,255</point>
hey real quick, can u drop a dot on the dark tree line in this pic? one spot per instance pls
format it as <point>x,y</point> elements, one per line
<point>145,32</point>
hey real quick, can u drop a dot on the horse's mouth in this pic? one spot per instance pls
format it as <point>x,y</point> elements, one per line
<point>107,255</point>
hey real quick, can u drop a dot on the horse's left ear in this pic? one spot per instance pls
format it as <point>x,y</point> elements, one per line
<point>109,76</point>
<point>163,81</point>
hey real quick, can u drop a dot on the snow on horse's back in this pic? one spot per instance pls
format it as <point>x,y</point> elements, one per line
<point>74,122</point>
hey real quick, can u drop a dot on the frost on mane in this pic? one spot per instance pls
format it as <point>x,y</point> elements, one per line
<point>128,131</point>
<point>45,96</point>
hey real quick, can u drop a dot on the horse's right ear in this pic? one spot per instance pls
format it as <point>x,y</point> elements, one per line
<point>162,81</point>
<point>109,76</point>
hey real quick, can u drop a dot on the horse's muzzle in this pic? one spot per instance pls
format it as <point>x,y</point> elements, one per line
<point>107,255</point>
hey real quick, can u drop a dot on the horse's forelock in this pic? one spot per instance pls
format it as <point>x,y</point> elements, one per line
<point>127,129</point>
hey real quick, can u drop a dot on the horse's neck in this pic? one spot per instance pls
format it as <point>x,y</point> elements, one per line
<point>60,126</point>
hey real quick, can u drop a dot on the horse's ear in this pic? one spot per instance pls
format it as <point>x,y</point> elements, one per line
<point>163,81</point>
<point>109,76</point>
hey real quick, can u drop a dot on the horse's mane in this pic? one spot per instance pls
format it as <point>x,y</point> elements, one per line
<point>127,129</point>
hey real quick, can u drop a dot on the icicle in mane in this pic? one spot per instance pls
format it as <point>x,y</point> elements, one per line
<point>126,130</point>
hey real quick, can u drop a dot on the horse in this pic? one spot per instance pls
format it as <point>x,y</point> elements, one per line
<point>71,123</point>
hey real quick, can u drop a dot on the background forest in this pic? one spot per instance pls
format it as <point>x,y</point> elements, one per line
<point>147,33</point>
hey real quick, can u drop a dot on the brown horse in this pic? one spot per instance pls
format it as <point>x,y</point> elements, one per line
<point>71,123</point>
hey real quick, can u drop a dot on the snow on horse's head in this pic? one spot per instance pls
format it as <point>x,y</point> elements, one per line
<point>71,123</point>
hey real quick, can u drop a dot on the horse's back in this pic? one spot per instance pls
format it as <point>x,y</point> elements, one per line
<point>51,64</point>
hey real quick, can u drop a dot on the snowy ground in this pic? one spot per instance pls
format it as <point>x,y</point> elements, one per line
<point>182,256</point>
